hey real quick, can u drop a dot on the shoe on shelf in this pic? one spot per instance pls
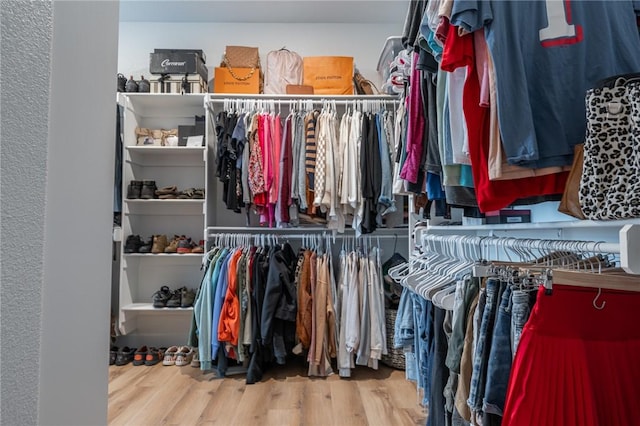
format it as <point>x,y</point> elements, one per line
<point>154,356</point>
<point>134,189</point>
<point>140,355</point>
<point>148,190</point>
<point>175,300</point>
<point>168,192</point>
<point>198,193</point>
<point>146,246</point>
<point>199,248</point>
<point>172,247</point>
<point>159,244</point>
<point>185,245</point>
<point>188,297</point>
<point>125,355</point>
<point>161,297</point>
<point>113,354</point>
<point>184,356</point>
<point>170,356</point>
<point>133,244</point>
<point>187,194</point>
<point>195,361</point>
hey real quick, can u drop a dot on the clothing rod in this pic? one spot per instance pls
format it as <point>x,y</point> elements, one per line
<point>528,243</point>
<point>221,98</point>
<point>399,232</point>
<point>302,236</point>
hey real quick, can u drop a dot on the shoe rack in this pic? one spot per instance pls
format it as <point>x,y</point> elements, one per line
<point>143,274</point>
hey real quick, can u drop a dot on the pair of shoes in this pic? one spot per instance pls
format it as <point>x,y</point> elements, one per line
<point>134,189</point>
<point>172,247</point>
<point>184,356</point>
<point>133,244</point>
<point>146,246</point>
<point>181,244</point>
<point>199,248</point>
<point>161,297</point>
<point>192,193</point>
<point>167,193</point>
<point>140,355</point>
<point>159,244</point>
<point>180,298</point>
<point>154,356</point>
<point>195,361</point>
<point>148,190</point>
<point>113,354</point>
<point>187,297</point>
<point>185,245</point>
<point>125,355</point>
<point>170,356</point>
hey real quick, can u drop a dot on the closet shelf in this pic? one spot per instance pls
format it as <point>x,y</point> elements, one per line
<point>167,156</point>
<point>161,255</point>
<point>148,307</point>
<point>175,207</point>
<point>163,104</point>
<point>166,150</point>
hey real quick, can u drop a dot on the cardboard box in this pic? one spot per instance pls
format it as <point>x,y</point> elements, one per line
<point>224,82</point>
<point>508,216</point>
<point>177,63</point>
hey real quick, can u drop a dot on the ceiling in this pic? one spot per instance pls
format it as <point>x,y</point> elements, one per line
<point>265,11</point>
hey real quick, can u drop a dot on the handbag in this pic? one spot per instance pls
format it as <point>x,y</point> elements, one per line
<point>241,57</point>
<point>364,86</point>
<point>610,183</point>
<point>570,202</point>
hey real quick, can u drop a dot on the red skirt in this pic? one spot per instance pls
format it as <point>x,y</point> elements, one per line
<point>576,365</point>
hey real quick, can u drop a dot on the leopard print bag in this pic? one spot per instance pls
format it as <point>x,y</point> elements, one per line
<point>610,183</point>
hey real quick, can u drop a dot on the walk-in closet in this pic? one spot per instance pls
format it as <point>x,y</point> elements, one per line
<point>321,213</point>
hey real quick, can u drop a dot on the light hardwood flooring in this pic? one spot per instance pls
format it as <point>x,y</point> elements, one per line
<point>169,395</point>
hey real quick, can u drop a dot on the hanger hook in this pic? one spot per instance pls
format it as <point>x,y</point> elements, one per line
<point>601,307</point>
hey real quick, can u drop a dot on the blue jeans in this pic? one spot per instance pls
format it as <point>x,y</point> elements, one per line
<point>423,342</point>
<point>523,301</point>
<point>499,366</point>
<point>481,354</point>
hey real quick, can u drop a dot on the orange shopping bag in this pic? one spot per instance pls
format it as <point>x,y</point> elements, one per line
<point>329,75</point>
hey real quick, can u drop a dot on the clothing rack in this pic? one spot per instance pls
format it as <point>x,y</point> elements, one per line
<point>299,233</point>
<point>244,101</point>
<point>628,247</point>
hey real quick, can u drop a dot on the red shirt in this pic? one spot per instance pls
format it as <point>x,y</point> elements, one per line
<point>491,194</point>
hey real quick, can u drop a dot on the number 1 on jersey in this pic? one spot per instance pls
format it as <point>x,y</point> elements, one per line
<point>559,30</point>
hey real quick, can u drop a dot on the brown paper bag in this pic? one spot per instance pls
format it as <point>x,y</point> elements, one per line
<point>329,75</point>
<point>570,203</point>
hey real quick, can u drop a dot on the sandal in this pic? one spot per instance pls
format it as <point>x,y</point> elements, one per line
<point>198,193</point>
<point>187,193</point>
<point>167,190</point>
<point>161,297</point>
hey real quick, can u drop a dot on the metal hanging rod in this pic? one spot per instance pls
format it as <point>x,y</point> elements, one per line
<point>221,97</point>
<point>380,232</point>
<point>628,248</point>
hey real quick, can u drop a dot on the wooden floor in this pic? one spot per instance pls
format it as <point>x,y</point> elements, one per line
<point>170,395</point>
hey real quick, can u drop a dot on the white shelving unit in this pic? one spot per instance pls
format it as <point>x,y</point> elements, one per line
<point>141,275</point>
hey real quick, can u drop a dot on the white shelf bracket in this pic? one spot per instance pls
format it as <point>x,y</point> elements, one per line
<point>630,248</point>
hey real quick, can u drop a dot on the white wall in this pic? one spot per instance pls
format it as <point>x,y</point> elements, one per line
<point>362,41</point>
<point>27,30</point>
<point>58,130</point>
